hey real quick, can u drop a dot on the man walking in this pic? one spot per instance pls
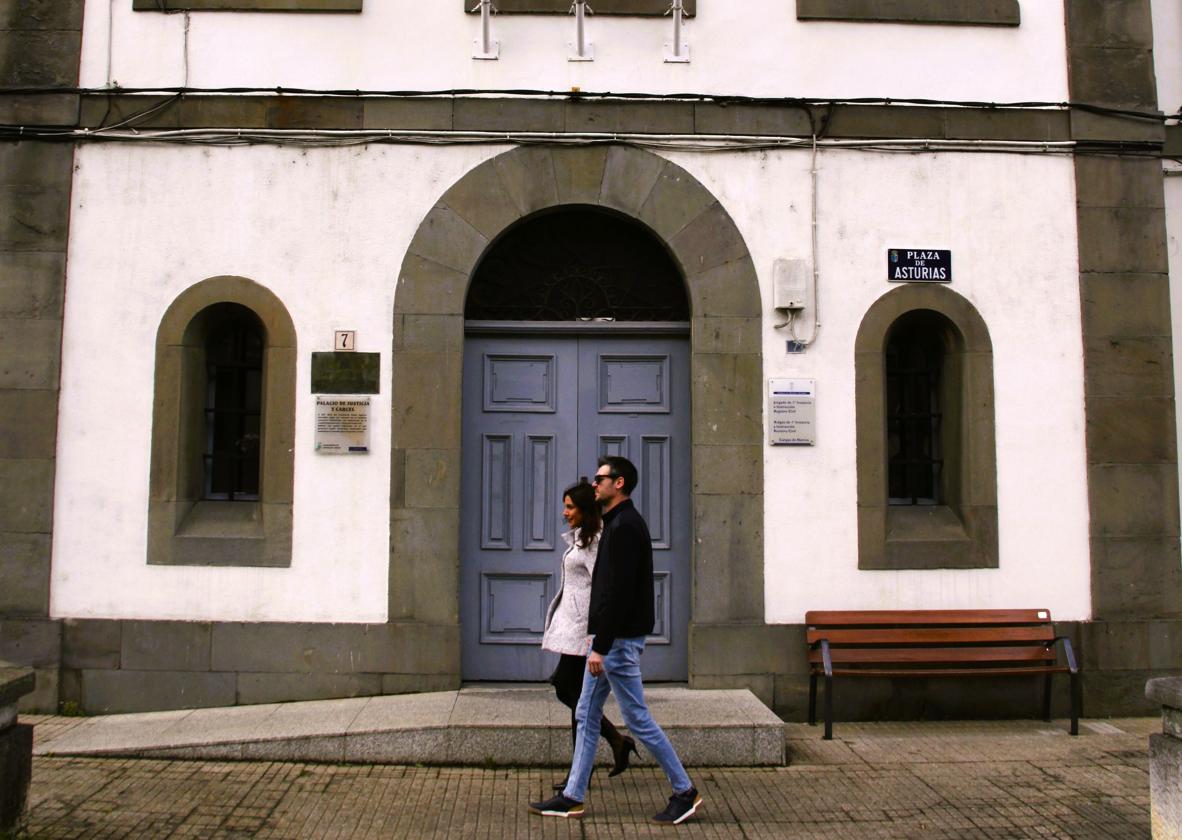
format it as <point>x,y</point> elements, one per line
<point>621,615</point>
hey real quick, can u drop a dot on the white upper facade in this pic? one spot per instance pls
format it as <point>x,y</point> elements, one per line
<point>748,47</point>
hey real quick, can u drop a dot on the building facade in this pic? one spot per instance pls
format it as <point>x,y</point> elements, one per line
<point>946,229</point>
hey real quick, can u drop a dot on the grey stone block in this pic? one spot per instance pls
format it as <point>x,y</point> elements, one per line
<point>430,287</point>
<point>1104,23</point>
<point>527,174</point>
<point>165,646</point>
<point>434,475</point>
<point>16,772</point>
<point>887,122</point>
<point>47,109</point>
<point>328,749</point>
<point>45,166</point>
<point>1129,367</point>
<point>728,289</point>
<point>729,536</point>
<point>727,651</point>
<point>1165,786</point>
<point>1118,182</point>
<point>109,692</point>
<point>578,174</point>
<point>91,643</point>
<point>28,423</point>
<point>599,116</point>
<point>445,238</point>
<point>1120,305</point>
<point>283,688</point>
<point>32,642</point>
<point>676,200</point>
<point>1116,77</point>
<point>31,284</point>
<point>488,747</point>
<point>1006,124</point>
<point>728,470</point>
<point>766,120</point>
<point>1131,430</point>
<point>30,353</point>
<point>415,683</point>
<point>331,648</point>
<point>1131,500</point>
<point>297,112</point>
<point>1137,577</point>
<point>431,420</point>
<point>480,199</point>
<point>1089,125</point>
<point>33,58</point>
<point>420,539</point>
<point>727,336</point>
<point>1165,691</point>
<point>628,178</point>
<point>45,697</point>
<point>24,569</point>
<point>41,14</point>
<point>420,113</point>
<point>248,5</point>
<point>728,399</point>
<point>507,115</point>
<point>429,333</point>
<point>708,241</point>
<point>979,12</point>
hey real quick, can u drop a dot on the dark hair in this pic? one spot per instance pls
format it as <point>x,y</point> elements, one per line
<point>582,496</point>
<point>623,468</point>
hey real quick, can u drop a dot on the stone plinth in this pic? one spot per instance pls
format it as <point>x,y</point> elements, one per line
<point>16,747</point>
<point>1165,760</point>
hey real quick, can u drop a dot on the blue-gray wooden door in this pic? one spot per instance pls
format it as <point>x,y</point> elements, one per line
<point>538,411</point>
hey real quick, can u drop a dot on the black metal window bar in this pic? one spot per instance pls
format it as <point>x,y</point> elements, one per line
<point>233,406</point>
<point>914,360</point>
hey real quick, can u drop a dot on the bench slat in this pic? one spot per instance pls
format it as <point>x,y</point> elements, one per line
<point>1034,653</point>
<point>905,617</point>
<point>933,635</point>
<point>948,672</point>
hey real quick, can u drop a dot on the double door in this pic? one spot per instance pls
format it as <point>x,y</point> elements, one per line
<point>538,412</point>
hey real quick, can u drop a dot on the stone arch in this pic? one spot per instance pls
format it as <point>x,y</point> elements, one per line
<point>726,373</point>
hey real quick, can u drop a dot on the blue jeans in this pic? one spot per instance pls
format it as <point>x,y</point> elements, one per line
<point>621,674</point>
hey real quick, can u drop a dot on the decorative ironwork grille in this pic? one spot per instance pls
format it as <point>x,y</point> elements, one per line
<point>914,361</point>
<point>577,265</point>
<point>233,406</point>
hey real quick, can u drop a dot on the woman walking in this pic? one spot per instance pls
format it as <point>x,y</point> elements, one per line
<point>566,619</point>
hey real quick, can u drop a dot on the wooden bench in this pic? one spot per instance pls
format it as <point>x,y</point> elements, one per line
<point>935,643</point>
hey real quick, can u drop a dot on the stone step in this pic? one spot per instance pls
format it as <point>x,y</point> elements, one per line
<point>478,725</point>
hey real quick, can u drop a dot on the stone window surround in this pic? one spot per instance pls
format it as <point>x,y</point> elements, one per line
<point>726,371</point>
<point>963,533</point>
<point>953,12</point>
<point>184,529</point>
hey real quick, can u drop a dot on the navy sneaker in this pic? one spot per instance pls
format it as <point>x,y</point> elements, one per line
<point>680,808</point>
<point>559,806</point>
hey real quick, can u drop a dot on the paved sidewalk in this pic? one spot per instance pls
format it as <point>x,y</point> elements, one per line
<point>1013,779</point>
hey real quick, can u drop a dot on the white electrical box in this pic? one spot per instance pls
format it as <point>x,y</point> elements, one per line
<point>790,282</point>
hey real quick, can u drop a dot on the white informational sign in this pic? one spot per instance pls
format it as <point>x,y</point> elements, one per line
<point>792,412</point>
<point>342,425</point>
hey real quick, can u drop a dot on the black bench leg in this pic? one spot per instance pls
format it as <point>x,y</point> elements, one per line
<point>1076,703</point>
<point>812,699</point>
<point>1046,697</point>
<point>828,708</point>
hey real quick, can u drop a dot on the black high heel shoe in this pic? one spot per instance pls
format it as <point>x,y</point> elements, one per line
<point>627,746</point>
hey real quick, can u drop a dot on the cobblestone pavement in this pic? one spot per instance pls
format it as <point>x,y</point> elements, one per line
<point>1012,779</point>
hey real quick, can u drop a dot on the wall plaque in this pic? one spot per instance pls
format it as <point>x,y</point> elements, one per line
<point>342,425</point>
<point>792,412</point>
<point>908,265</point>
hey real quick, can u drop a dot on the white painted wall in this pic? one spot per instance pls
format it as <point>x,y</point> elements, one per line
<point>1014,258</point>
<point>754,47</point>
<point>1167,54</point>
<point>326,230</point>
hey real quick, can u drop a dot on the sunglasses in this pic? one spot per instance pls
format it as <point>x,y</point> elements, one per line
<point>595,479</point>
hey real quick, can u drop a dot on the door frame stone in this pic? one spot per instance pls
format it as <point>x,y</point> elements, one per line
<point>726,377</point>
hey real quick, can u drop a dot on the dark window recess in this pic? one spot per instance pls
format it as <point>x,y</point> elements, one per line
<point>233,404</point>
<point>577,265</point>
<point>914,361</point>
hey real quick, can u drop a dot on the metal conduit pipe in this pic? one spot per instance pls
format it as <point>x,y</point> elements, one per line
<point>583,51</point>
<point>486,47</point>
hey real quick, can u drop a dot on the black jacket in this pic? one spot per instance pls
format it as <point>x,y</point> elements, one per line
<point>622,583</point>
